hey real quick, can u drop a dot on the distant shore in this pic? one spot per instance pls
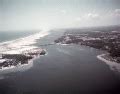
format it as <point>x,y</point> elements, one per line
<point>104,38</point>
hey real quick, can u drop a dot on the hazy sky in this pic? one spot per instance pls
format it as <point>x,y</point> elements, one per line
<point>37,14</point>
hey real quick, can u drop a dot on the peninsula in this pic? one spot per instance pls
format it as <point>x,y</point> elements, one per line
<point>9,60</point>
<point>103,38</point>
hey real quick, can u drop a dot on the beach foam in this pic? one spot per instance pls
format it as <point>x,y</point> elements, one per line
<point>21,44</point>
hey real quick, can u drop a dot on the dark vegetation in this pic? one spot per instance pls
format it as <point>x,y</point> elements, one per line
<point>16,59</point>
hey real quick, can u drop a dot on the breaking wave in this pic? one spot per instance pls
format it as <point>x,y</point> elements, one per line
<point>21,44</point>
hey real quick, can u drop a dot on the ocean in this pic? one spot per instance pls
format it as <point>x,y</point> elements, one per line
<point>66,69</point>
<point>11,35</point>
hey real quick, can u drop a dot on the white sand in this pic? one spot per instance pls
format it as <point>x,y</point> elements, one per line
<point>112,65</point>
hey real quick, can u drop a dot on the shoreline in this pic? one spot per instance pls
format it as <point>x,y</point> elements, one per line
<point>113,65</point>
<point>19,65</point>
<point>22,49</point>
<point>21,44</point>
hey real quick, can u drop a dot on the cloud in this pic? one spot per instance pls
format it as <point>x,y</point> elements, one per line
<point>88,19</point>
<point>117,12</point>
<point>88,16</point>
<point>91,16</point>
<point>78,19</point>
<point>63,11</point>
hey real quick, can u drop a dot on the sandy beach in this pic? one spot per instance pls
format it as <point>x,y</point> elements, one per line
<point>113,65</point>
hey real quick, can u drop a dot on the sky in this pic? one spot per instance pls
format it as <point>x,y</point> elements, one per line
<point>48,14</point>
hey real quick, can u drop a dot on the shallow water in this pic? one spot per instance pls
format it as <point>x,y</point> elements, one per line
<point>66,69</point>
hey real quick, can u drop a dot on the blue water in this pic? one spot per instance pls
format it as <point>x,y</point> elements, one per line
<point>11,35</point>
